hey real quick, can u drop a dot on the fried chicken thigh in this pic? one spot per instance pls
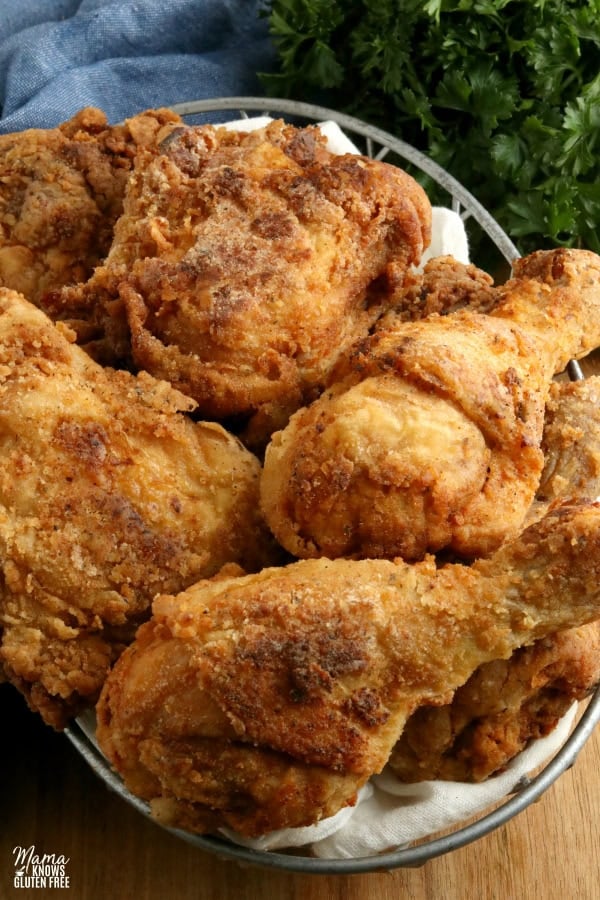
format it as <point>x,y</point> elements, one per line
<point>61,191</point>
<point>429,438</point>
<point>244,263</point>
<point>265,701</point>
<point>503,706</point>
<point>108,495</point>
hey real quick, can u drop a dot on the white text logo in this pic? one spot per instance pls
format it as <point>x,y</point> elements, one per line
<point>35,871</point>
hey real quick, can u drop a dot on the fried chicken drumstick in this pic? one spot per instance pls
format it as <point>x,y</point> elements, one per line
<point>429,438</point>
<point>61,193</point>
<point>108,495</point>
<point>244,263</point>
<point>507,703</point>
<point>266,701</point>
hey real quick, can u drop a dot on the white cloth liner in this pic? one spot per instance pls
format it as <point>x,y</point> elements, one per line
<point>391,814</point>
<point>388,813</point>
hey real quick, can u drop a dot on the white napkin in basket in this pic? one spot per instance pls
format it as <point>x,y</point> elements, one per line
<point>390,814</point>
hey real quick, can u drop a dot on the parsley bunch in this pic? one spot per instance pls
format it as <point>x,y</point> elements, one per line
<point>504,94</point>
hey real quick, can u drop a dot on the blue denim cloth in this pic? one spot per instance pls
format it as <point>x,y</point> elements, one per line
<point>57,56</point>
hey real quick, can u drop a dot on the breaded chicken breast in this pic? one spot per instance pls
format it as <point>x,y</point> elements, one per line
<point>108,495</point>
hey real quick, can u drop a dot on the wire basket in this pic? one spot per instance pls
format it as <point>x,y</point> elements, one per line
<point>377,144</point>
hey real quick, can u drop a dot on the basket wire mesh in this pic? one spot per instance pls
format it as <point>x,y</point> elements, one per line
<point>377,144</point>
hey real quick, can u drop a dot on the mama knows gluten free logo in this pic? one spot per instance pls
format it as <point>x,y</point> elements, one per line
<point>35,871</point>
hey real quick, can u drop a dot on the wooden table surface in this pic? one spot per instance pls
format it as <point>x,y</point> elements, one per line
<point>51,800</point>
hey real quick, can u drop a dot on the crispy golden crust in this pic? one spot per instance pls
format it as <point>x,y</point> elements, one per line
<point>501,708</point>
<point>108,495</point>
<point>266,701</point>
<point>243,262</point>
<point>61,193</point>
<point>507,703</point>
<point>571,441</point>
<point>557,296</point>
<point>430,439</point>
<point>443,286</point>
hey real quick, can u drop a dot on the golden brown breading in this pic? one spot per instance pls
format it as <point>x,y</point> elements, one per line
<point>571,441</point>
<point>266,701</point>
<point>61,191</point>
<point>430,439</point>
<point>108,495</point>
<point>243,262</point>
<point>443,286</point>
<point>507,703</point>
<point>503,706</point>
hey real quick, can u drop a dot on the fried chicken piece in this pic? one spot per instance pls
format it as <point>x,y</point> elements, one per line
<point>266,701</point>
<point>430,439</point>
<point>243,262</point>
<point>570,444</point>
<point>503,706</point>
<point>108,495</point>
<point>507,703</point>
<point>61,193</point>
<point>571,441</point>
<point>443,286</point>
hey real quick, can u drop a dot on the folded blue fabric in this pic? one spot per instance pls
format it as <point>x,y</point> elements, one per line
<point>57,56</point>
